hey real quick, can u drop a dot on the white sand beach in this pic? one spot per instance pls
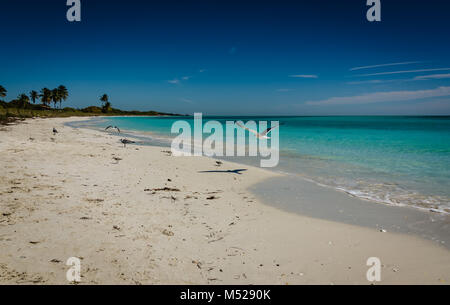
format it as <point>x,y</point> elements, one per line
<point>137,215</point>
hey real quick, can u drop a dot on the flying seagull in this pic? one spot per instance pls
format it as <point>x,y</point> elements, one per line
<point>55,131</point>
<point>113,127</point>
<point>262,135</point>
<point>125,142</point>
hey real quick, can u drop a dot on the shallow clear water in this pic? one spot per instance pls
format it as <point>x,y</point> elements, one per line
<point>395,160</point>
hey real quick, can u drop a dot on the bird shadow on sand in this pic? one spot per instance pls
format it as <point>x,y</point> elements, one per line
<point>234,171</point>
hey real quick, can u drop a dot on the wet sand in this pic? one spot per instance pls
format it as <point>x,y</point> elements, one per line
<point>295,194</point>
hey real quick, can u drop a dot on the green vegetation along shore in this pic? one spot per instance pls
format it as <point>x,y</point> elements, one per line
<point>36,104</point>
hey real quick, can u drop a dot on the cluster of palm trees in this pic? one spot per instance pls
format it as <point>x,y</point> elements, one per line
<point>47,96</point>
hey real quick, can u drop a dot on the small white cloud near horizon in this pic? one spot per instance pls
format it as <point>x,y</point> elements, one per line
<point>304,76</point>
<point>386,65</point>
<point>186,100</point>
<point>284,90</point>
<point>382,97</point>
<point>174,81</point>
<point>186,77</point>
<point>373,81</point>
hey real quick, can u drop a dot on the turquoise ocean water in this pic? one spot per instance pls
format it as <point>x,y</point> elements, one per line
<point>393,160</point>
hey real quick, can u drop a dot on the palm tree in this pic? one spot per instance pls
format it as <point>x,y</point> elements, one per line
<point>55,97</point>
<point>23,100</point>
<point>104,99</point>
<point>2,91</point>
<point>106,105</point>
<point>63,94</point>
<point>34,96</point>
<point>46,96</point>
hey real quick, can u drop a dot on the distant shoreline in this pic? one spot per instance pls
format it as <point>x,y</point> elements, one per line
<point>12,111</point>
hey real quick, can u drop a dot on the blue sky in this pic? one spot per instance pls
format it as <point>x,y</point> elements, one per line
<point>233,57</point>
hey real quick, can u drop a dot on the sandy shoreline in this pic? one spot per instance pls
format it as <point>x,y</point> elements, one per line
<point>295,194</point>
<point>139,216</point>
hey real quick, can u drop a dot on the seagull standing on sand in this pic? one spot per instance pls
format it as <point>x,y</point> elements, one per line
<point>113,127</point>
<point>125,142</point>
<point>55,131</point>
<point>262,135</point>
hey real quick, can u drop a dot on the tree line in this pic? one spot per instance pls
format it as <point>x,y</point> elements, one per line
<point>48,96</point>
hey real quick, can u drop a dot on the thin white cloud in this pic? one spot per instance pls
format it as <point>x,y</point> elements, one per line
<point>174,81</point>
<point>186,100</point>
<point>304,76</point>
<point>406,71</point>
<point>285,90</point>
<point>381,97</point>
<point>381,81</point>
<point>373,81</point>
<point>386,65</point>
<point>432,76</point>
<point>417,78</point>
<point>177,81</point>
